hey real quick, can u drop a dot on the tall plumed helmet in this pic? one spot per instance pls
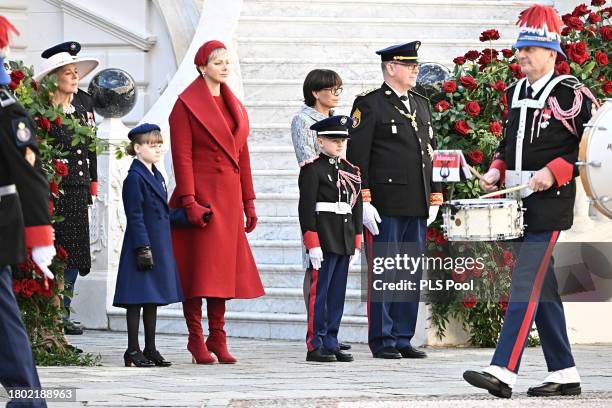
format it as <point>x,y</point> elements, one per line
<point>539,26</point>
<point>6,29</point>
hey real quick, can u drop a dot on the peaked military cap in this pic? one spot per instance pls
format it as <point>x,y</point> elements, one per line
<point>333,127</point>
<point>401,53</point>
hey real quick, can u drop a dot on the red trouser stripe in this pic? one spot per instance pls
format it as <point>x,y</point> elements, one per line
<point>311,306</point>
<point>369,241</point>
<point>532,304</point>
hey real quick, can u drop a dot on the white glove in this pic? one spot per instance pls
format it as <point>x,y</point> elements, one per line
<point>353,259</point>
<point>433,213</point>
<point>43,256</point>
<point>316,257</point>
<point>371,218</point>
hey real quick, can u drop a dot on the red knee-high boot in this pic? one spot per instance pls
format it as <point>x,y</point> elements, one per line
<point>217,342</point>
<point>192,310</point>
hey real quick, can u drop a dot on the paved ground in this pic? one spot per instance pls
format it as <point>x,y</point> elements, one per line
<point>275,374</point>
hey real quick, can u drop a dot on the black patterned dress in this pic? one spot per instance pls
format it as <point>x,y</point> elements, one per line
<point>73,232</point>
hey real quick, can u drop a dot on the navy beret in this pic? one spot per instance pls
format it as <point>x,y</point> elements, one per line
<point>143,128</point>
<point>71,47</point>
<point>333,127</point>
<point>403,52</point>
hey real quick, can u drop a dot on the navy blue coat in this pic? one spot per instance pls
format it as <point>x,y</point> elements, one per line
<point>145,201</point>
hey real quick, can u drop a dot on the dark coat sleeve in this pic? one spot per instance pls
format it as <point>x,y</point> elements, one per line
<point>362,135</point>
<point>309,186</point>
<point>133,203</point>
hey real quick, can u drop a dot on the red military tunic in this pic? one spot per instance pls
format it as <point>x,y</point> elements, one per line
<point>212,163</point>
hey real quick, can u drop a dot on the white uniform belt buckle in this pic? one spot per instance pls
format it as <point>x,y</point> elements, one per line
<point>7,190</point>
<point>518,177</point>
<point>338,207</point>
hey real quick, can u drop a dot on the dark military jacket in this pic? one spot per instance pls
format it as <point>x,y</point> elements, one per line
<point>81,161</point>
<point>30,207</point>
<point>552,209</point>
<point>395,158</point>
<point>318,182</point>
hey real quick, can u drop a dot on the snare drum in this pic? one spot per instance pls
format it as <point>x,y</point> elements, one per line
<point>482,219</point>
<point>595,155</point>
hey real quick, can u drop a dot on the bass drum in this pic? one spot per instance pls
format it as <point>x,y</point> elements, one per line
<point>595,159</point>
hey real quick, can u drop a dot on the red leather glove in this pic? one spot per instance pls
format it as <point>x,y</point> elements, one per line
<point>251,216</point>
<point>195,212</point>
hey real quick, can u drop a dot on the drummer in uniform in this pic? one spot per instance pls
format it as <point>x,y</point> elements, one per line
<point>392,142</point>
<point>24,223</point>
<point>539,148</point>
<point>330,213</point>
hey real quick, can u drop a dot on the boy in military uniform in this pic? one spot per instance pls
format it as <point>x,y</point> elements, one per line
<point>330,212</point>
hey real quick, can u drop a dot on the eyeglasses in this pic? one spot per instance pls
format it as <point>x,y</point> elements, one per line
<point>410,67</point>
<point>336,91</point>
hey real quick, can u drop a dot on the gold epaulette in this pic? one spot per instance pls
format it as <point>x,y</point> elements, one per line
<point>418,94</point>
<point>368,91</point>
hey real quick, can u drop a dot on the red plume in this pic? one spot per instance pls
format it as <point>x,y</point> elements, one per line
<point>5,32</point>
<point>537,16</point>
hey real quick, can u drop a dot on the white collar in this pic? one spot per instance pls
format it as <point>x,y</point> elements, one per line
<point>540,83</point>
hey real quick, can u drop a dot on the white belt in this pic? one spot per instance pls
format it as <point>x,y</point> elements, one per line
<point>517,177</point>
<point>338,208</point>
<point>8,190</point>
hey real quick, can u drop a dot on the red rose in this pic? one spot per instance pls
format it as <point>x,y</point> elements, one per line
<point>449,86</point>
<point>489,35</point>
<point>472,108</point>
<point>462,127</point>
<point>30,286</point>
<point>499,86</point>
<point>492,52</point>
<point>580,10</point>
<point>440,240</point>
<point>507,53</point>
<point>43,123</point>
<point>508,258</point>
<point>484,60</point>
<point>17,76</point>
<point>17,286</point>
<point>503,302</point>
<point>45,290</point>
<point>469,301</point>
<point>607,87</point>
<point>458,276</point>
<point>601,58</point>
<point>565,31</point>
<point>606,32</point>
<point>468,82</point>
<point>54,188</point>
<point>60,168</point>
<point>504,103</point>
<point>459,60</point>
<point>472,55</point>
<point>594,18</point>
<point>60,252</point>
<point>495,128</point>
<point>58,121</point>
<point>598,3</point>
<point>475,156</point>
<point>562,68</point>
<point>578,52</point>
<point>516,71</point>
<point>442,106</point>
<point>573,22</point>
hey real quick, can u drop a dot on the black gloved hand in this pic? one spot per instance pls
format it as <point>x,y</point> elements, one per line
<point>144,258</point>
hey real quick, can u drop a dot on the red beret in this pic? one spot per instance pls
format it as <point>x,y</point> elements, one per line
<point>205,50</point>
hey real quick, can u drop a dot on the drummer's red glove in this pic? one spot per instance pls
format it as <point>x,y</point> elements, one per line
<point>251,216</point>
<point>195,212</point>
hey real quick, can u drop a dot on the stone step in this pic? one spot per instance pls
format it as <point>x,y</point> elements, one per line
<point>285,326</point>
<point>292,276</point>
<point>283,111</point>
<point>275,181</point>
<point>271,133</point>
<point>276,251</point>
<point>277,228</point>
<point>425,9</point>
<point>388,26</point>
<point>281,156</point>
<point>321,47</point>
<point>276,205</point>
<point>291,89</point>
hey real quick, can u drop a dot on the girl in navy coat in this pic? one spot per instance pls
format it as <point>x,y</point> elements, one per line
<point>147,275</point>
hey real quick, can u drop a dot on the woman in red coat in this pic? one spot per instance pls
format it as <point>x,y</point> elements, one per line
<point>209,128</point>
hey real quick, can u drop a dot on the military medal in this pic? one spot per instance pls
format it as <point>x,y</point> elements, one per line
<point>411,117</point>
<point>430,151</point>
<point>23,132</point>
<point>430,131</point>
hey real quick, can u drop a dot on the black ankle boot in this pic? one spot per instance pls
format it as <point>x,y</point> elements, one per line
<point>137,359</point>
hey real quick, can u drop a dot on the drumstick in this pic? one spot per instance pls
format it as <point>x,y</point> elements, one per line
<point>476,173</point>
<point>505,191</point>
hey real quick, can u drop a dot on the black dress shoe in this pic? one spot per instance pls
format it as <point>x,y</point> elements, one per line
<point>411,352</point>
<point>320,356</point>
<point>137,359</point>
<point>388,353</point>
<point>71,328</point>
<point>343,356</point>
<point>156,358</point>
<point>344,346</point>
<point>488,382</point>
<point>550,389</point>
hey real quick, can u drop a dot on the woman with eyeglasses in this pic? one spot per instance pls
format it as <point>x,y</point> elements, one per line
<point>322,89</point>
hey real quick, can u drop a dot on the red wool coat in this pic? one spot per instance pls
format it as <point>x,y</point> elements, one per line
<point>214,165</point>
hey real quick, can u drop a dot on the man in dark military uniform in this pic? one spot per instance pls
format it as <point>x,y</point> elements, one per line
<point>330,212</point>
<point>540,146</point>
<point>24,201</point>
<point>392,142</point>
